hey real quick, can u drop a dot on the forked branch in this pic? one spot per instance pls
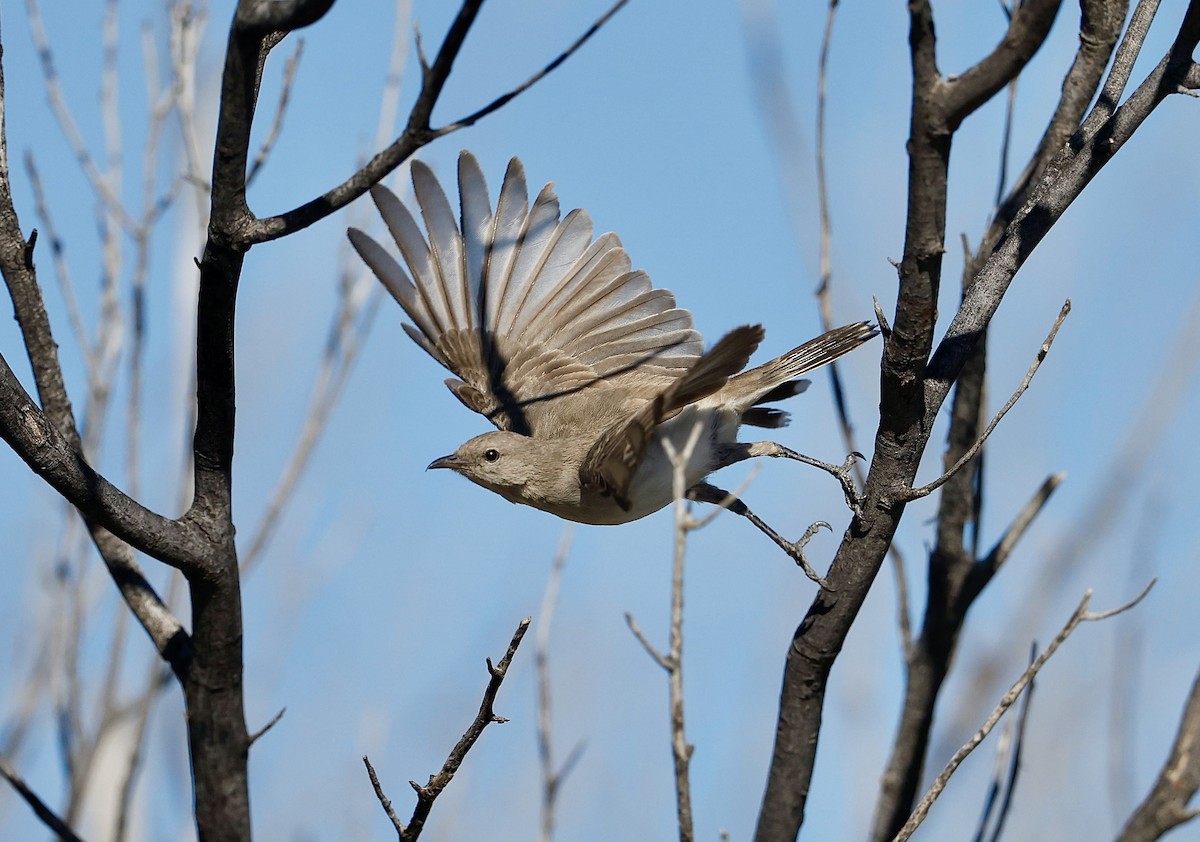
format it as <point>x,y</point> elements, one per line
<point>419,130</point>
<point>1080,615</point>
<point>428,793</point>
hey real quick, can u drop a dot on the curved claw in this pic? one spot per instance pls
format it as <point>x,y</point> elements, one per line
<point>810,532</point>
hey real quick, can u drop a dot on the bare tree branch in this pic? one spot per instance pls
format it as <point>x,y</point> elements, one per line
<point>416,134</point>
<point>1027,30</point>
<point>1014,763</point>
<point>47,816</point>
<point>428,793</point>
<point>384,801</point>
<point>502,100</point>
<point>552,776</point>
<point>1166,805</point>
<point>911,494</point>
<point>914,386</point>
<point>1080,615</point>
<point>285,95</point>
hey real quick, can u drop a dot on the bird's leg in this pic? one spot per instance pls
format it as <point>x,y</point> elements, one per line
<point>842,473</point>
<point>707,493</point>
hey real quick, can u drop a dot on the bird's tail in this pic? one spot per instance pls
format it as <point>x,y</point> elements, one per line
<point>778,379</point>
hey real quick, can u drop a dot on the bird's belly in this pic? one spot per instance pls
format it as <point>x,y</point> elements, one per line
<point>653,485</point>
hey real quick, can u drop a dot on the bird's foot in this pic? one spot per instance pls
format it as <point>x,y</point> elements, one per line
<point>707,493</point>
<point>843,473</point>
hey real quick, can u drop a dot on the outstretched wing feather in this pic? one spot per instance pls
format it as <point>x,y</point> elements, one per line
<point>415,251</point>
<point>523,306</point>
<point>569,242</point>
<point>476,223</point>
<point>445,243</point>
<point>395,280</point>
<point>508,225</point>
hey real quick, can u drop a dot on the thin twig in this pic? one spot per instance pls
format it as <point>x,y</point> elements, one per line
<point>383,799</point>
<point>1008,541</point>
<point>1014,768</point>
<point>99,182</point>
<point>285,94</point>
<point>910,494</point>
<point>504,99</point>
<point>681,750</point>
<point>48,816</point>
<point>143,706</point>
<point>1080,615</point>
<point>1166,805</point>
<point>552,777</point>
<point>1008,765</point>
<point>417,133</point>
<point>428,793</point>
<point>62,270</point>
<point>659,658</point>
<point>271,724</point>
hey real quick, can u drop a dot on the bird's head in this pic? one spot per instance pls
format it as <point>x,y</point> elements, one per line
<point>501,461</point>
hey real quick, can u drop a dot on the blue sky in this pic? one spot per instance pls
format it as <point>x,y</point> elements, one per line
<point>386,587</point>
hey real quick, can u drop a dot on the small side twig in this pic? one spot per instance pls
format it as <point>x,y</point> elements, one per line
<point>1080,615</point>
<point>285,95</point>
<point>418,131</point>
<point>909,494</point>
<point>552,776</point>
<point>48,816</point>
<point>270,724</point>
<point>1166,805</point>
<point>1008,767</point>
<point>428,793</point>
<point>504,99</point>
<point>672,661</point>
<point>383,799</point>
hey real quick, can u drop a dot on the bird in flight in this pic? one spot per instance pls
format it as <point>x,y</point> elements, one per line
<point>586,370</point>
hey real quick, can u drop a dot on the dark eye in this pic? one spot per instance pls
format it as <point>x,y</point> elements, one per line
<point>491,454</point>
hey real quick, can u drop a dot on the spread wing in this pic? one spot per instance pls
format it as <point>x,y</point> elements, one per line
<point>523,306</point>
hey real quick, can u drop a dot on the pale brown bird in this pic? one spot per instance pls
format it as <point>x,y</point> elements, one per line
<point>584,367</point>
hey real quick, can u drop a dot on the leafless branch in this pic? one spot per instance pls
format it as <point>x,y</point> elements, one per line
<point>62,270</point>
<point>659,658</point>
<point>504,99</point>
<point>1008,767</point>
<point>672,662</point>
<point>925,490</point>
<point>1008,541</point>
<point>428,793</point>
<point>270,724</point>
<point>142,707</point>
<point>285,94</point>
<point>416,134</point>
<point>98,181</point>
<point>552,776</point>
<point>384,801</point>
<point>1166,805</point>
<point>47,816</point>
<point>1080,615</point>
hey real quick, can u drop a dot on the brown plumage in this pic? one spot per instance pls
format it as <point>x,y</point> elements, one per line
<point>584,368</point>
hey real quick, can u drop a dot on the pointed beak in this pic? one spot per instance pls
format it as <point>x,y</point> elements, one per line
<point>452,462</point>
